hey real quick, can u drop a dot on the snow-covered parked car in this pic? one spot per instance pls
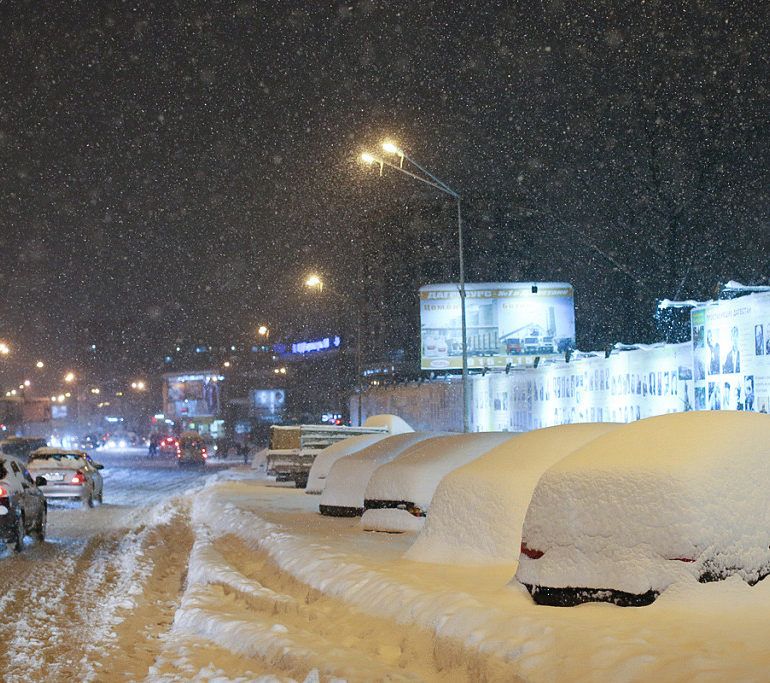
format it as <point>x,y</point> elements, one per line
<point>401,490</point>
<point>477,512</point>
<point>678,497</point>
<point>23,508</point>
<point>68,474</point>
<point>323,462</point>
<point>343,495</point>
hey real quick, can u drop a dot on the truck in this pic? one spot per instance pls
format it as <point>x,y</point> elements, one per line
<point>292,449</point>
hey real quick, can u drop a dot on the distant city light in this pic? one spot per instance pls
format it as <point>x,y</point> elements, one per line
<point>40,364</point>
<point>263,330</point>
<point>4,349</point>
<point>27,383</point>
<point>95,390</point>
<point>60,398</point>
<point>226,363</point>
<point>69,377</point>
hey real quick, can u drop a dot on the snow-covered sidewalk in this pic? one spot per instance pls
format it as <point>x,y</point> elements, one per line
<point>274,589</point>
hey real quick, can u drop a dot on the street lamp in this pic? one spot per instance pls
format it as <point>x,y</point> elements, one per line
<point>263,331</point>
<point>69,377</point>
<point>40,365</point>
<point>441,186</point>
<point>4,349</point>
<point>314,281</point>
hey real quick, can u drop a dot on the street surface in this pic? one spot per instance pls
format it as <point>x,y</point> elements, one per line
<point>92,600</point>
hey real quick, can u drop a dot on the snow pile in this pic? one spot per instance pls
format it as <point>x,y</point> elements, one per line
<point>391,520</point>
<point>478,509</point>
<point>410,481</point>
<point>328,456</point>
<point>394,423</point>
<point>675,497</point>
<point>347,480</point>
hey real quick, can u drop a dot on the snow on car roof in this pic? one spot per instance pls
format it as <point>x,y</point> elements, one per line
<point>616,512</point>
<point>48,450</point>
<point>478,510</point>
<point>394,423</point>
<point>349,476</point>
<point>413,476</point>
<point>329,455</point>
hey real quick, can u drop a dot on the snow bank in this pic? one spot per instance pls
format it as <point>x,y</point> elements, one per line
<point>328,456</point>
<point>394,423</point>
<point>391,520</point>
<point>478,509</point>
<point>348,477</point>
<point>676,497</point>
<point>411,479</point>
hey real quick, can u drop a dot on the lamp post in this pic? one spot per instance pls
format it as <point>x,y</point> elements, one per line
<point>441,186</point>
<point>316,283</point>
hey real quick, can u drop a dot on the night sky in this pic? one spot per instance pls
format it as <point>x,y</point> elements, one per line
<point>173,169</point>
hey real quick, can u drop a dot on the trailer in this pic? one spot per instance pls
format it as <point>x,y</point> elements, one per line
<point>292,449</point>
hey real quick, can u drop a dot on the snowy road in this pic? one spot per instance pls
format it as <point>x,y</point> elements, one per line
<point>89,603</point>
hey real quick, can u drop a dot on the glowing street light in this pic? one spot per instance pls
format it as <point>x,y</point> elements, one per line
<point>4,349</point>
<point>69,377</point>
<point>263,331</point>
<point>314,281</point>
<point>27,383</point>
<point>427,178</point>
<point>139,385</point>
<point>40,365</point>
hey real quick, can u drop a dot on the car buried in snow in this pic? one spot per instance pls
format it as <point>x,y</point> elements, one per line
<point>69,474</point>
<point>675,498</point>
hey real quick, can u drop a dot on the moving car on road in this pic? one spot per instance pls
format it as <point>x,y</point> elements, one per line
<point>23,508</point>
<point>168,445</point>
<point>192,450</point>
<point>68,474</point>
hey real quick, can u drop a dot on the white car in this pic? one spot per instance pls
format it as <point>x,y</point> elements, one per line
<point>675,498</point>
<point>68,474</point>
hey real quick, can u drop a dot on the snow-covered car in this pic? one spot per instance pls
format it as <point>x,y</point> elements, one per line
<point>323,462</point>
<point>192,450</point>
<point>69,474</point>
<point>343,495</point>
<point>477,512</point>
<point>673,498</point>
<point>403,488</point>
<point>23,508</point>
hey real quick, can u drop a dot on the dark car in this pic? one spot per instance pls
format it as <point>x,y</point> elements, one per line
<point>23,508</point>
<point>21,446</point>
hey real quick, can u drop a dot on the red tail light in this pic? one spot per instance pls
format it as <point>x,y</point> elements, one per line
<point>79,477</point>
<point>3,492</point>
<point>531,553</point>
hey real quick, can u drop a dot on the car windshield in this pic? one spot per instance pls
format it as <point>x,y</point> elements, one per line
<point>58,457</point>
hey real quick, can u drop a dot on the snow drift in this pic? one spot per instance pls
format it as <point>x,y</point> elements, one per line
<point>675,497</point>
<point>478,510</point>
<point>348,477</point>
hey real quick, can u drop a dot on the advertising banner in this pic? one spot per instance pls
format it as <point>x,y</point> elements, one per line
<point>506,323</point>
<point>731,354</point>
<point>191,395</point>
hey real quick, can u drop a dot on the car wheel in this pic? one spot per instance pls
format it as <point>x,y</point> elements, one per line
<point>18,538</point>
<point>89,501</point>
<point>100,497</point>
<point>39,531</point>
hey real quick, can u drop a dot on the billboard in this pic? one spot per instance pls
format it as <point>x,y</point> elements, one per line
<point>268,402</point>
<point>731,354</point>
<point>506,322</point>
<point>191,395</point>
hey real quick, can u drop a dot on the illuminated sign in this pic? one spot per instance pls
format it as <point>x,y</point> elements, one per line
<point>505,321</point>
<point>325,344</point>
<point>191,395</point>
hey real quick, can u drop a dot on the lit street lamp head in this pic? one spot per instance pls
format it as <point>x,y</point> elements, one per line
<point>368,158</point>
<point>262,330</point>
<point>391,148</point>
<point>314,281</point>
